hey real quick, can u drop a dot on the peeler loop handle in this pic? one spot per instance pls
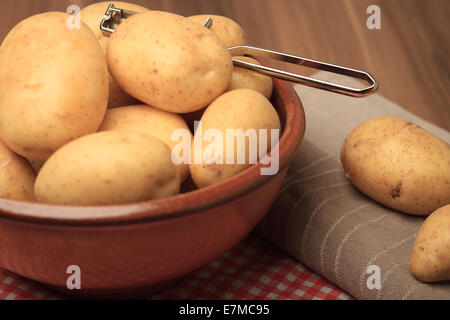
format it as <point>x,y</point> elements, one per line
<point>308,81</point>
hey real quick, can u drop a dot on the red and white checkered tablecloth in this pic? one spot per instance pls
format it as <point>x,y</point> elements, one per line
<point>254,269</point>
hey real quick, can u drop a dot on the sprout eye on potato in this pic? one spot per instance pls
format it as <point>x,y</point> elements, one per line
<point>53,85</point>
<point>169,61</point>
<point>92,15</point>
<point>108,167</point>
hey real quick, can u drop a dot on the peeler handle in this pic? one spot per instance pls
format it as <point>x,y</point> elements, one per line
<point>308,81</point>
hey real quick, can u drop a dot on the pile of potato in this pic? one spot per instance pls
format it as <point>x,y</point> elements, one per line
<point>94,114</point>
<point>404,167</point>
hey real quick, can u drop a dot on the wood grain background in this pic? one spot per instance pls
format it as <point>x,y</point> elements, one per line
<point>409,55</point>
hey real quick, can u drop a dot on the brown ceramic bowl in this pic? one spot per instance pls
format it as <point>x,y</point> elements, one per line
<point>133,249</point>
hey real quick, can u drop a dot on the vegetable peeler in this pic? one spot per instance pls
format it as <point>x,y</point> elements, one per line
<point>113,17</point>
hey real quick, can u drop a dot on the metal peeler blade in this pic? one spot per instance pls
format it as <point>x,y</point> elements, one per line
<point>113,17</point>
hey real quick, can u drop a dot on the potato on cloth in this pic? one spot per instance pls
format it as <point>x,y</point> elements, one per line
<point>398,164</point>
<point>430,258</point>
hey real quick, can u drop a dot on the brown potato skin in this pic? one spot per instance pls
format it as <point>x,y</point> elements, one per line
<point>398,164</point>
<point>430,257</point>
<point>16,176</point>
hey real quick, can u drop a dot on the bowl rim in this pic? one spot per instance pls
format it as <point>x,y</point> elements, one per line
<point>180,205</point>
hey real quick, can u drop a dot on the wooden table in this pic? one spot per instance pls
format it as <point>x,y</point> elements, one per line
<point>408,55</point>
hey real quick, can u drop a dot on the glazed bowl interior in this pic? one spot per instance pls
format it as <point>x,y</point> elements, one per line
<point>292,118</point>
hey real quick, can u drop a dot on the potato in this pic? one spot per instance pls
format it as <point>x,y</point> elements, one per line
<point>108,167</point>
<point>248,79</point>
<point>92,15</point>
<point>430,258</point>
<point>238,109</point>
<point>398,164</point>
<point>16,176</point>
<point>168,61</point>
<point>226,29</point>
<point>146,119</point>
<point>53,85</point>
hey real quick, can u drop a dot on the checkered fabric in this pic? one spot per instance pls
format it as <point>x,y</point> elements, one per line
<point>254,269</point>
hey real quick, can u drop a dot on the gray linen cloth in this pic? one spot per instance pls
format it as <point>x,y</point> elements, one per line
<point>323,221</point>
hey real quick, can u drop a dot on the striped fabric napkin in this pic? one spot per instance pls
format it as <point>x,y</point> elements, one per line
<point>323,221</point>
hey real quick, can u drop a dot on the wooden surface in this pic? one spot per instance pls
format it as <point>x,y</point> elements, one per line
<point>409,56</point>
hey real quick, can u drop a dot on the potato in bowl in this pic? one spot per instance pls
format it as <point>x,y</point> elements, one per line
<point>108,167</point>
<point>53,85</point>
